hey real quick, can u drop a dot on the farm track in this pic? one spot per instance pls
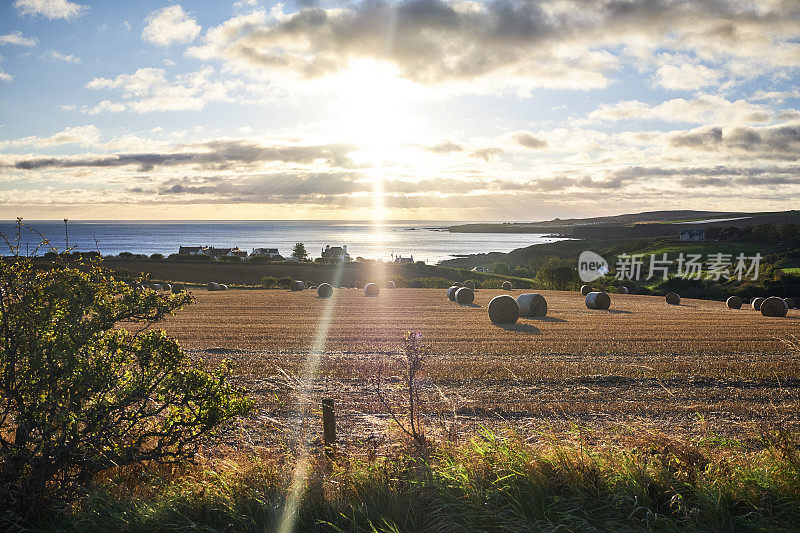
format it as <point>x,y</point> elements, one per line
<point>643,367</point>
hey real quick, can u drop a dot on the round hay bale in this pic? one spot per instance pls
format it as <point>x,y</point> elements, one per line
<point>789,302</point>
<point>469,283</point>
<point>167,287</point>
<point>213,286</point>
<point>673,298</point>
<point>178,288</point>
<point>371,289</point>
<point>457,284</point>
<point>598,300</point>
<point>585,290</point>
<point>503,309</point>
<point>622,289</point>
<point>464,296</point>
<point>774,306</point>
<point>734,302</point>
<point>391,285</point>
<point>297,285</point>
<point>223,287</point>
<point>532,304</point>
<point>156,287</point>
<point>324,290</point>
<point>451,293</point>
<point>757,303</point>
<point>507,286</point>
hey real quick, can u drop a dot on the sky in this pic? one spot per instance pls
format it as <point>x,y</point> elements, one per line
<point>388,110</point>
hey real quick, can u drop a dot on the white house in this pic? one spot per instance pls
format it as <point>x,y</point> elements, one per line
<point>272,253</point>
<point>692,235</point>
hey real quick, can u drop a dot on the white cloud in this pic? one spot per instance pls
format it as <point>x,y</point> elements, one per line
<point>170,25</point>
<point>83,135</point>
<point>686,77</point>
<point>148,89</point>
<point>703,108</point>
<point>16,37</point>
<point>55,55</point>
<point>5,76</point>
<point>52,9</point>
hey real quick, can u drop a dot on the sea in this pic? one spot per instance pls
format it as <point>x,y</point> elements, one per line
<point>427,241</point>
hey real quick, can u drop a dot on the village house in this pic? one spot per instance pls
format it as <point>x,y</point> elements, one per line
<point>272,253</point>
<point>400,260</point>
<point>218,253</point>
<point>692,235</point>
<point>336,253</point>
<point>192,250</point>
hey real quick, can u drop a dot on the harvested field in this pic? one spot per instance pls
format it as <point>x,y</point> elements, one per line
<point>642,366</point>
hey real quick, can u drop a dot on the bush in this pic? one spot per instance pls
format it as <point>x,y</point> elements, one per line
<point>268,282</point>
<point>157,257</point>
<point>285,282</point>
<point>558,275</point>
<point>501,268</point>
<point>80,395</point>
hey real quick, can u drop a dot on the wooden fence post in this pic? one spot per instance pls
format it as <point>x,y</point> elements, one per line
<point>328,422</point>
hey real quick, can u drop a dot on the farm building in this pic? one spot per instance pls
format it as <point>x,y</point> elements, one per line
<point>338,253</point>
<point>692,235</point>
<point>227,252</point>
<point>400,260</point>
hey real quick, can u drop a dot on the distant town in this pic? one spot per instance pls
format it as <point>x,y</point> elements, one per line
<point>327,254</point>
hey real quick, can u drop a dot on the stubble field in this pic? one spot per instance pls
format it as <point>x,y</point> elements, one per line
<point>641,368</point>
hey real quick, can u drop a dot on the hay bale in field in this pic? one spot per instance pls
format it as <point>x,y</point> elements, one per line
<point>451,293</point>
<point>213,286</point>
<point>223,287</point>
<point>503,309</point>
<point>622,289</point>
<point>391,285</point>
<point>178,288</point>
<point>585,290</point>
<point>734,302</point>
<point>324,290</point>
<point>297,285</point>
<point>532,304</point>
<point>789,302</point>
<point>166,287</point>
<point>469,283</point>
<point>371,289</point>
<point>464,296</point>
<point>156,287</point>
<point>598,300</point>
<point>507,286</point>
<point>457,284</point>
<point>673,298</point>
<point>757,303</point>
<point>774,306</point>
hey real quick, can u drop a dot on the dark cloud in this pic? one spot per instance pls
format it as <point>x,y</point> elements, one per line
<point>527,140</point>
<point>445,147</point>
<point>213,155</point>
<point>775,142</point>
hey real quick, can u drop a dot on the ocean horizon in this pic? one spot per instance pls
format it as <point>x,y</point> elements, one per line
<point>425,240</point>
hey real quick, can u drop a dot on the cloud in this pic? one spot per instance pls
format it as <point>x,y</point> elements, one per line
<point>16,37</point>
<point>686,77</point>
<point>83,135</point>
<point>52,9</point>
<point>445,147</point>
<point>55,55</point>
<point>486,153</point>
<point>775,142</point>
<point>170,25</point>
<point>703,108</point>
<point>566,43</point>
<point>5,76</point>
<point>528,140</point>
<point>211,155</point>
<point>148,89</point>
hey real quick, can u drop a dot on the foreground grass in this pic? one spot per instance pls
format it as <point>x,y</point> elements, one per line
<point>490,484</point>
